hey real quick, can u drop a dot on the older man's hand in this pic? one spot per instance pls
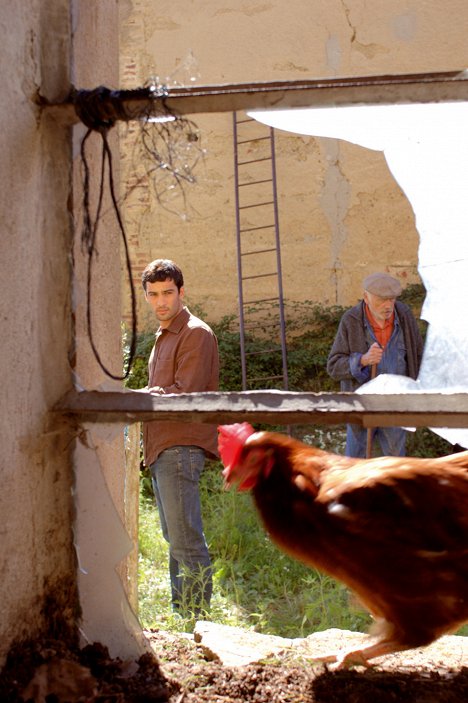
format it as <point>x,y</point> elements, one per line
<point>372,356</point>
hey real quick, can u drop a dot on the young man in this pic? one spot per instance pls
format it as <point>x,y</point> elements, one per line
<point>379,332</point>
<point>184,359</point>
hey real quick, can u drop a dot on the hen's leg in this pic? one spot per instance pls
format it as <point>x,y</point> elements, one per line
<point>360,657</point>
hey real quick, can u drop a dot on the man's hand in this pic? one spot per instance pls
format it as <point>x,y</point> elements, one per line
<point>157,390</point>
<point>372,356</point>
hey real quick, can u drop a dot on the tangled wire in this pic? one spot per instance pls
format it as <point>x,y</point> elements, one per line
<point>169,151</point>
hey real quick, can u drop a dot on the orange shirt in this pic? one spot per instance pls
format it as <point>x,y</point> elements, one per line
<point>382,334</point>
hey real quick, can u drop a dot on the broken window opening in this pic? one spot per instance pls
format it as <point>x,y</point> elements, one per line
<point>426,407</point>
<point>426,148</point>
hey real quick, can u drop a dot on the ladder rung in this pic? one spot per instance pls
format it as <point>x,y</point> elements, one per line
<point>261,300</point>
<point>264,351</point>
<point>253,139</point>
<point>255,325</point>
<point>263,378</point>
<point>253,161</point>
<point>255,183</point>
<point>259,275</point>
<point>254,229</point>
<point>257,251</point>
<point>247,119</point>
<point>246,207</point>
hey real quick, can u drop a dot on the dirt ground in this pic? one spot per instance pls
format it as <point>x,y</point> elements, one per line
<point>48,672</point>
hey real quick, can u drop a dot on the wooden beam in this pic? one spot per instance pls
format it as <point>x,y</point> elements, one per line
<point>126,105</point>
<point>272,407</point>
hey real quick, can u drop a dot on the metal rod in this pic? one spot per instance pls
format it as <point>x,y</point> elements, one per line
<point>260,275</point>
<point>261,300</point>
<point>369,429</point>
<point>239,260</point>
<point>254,161</point>
<point>255,229</point>
<point>446,86</point>
<point>246,207</point>
<point>255,183</point>
<point>254,139</point>
<point>278,266</point>
<point>258,251</point>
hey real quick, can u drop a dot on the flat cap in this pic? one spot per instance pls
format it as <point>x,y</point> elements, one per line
<point>382,284</point>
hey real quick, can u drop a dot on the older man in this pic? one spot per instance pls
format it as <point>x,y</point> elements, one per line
<point>380,334</point>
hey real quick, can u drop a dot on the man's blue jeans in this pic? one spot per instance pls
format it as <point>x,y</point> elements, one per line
<point>392,440</point>
<point>175,476</point>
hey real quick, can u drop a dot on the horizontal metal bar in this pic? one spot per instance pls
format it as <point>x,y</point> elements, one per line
<point>273,350</point>
<point>259,275</point>
<point>247,207</point>
<point>254,229</point>
<point>447,86</point>
<point>253,139</point>
<point>253,161</point>
<point>270,406</point>
<point>255,183</point>
<point>261,300</point>
<point>257,251</point>
<point>263,378</point>
<point>256,325</point>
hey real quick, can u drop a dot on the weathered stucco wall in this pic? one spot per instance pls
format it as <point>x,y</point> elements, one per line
<point>106,489</point>
<point>37,561</point>
<point>341,212</point>
<point>47,47</point>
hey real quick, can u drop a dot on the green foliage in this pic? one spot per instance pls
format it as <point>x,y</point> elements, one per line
<point>311,329</point>
<point>425,443</point>
<point>413,295</point>
<point>138,377</point>
<point>227,333</point>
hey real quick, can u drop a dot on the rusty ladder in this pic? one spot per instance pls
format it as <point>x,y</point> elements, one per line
<point>261,303</point>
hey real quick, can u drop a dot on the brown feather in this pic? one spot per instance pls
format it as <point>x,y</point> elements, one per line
<point>393,529</point>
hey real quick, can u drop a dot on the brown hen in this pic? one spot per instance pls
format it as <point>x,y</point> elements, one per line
<point>393,529</point>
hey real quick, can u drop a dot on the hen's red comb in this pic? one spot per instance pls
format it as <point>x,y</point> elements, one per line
<point>231,439</point>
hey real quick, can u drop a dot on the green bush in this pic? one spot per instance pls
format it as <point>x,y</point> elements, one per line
<point>138,376</point>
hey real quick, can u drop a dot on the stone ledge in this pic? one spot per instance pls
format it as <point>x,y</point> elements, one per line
<point>234,646</point>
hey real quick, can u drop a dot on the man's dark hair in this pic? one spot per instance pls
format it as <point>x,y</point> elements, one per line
<point>161,270</point>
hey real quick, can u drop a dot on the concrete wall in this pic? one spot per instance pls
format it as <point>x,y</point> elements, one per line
<point>47,46</point>
<point>37,562</point>
<point>341,213</point>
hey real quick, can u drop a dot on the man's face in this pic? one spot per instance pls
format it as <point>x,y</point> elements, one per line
<point>165,300</point>
<point>381,308</point>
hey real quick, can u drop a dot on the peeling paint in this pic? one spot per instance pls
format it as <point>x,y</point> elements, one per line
<point>405,26</point>
<point>334,53</point>
<point>370,51</point>
<point>291,66</point>
<point>163,24</point>
<point>101,543</point>
<point>246,9</point>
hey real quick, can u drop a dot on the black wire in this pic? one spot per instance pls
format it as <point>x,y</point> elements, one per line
<point>89,239</point>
